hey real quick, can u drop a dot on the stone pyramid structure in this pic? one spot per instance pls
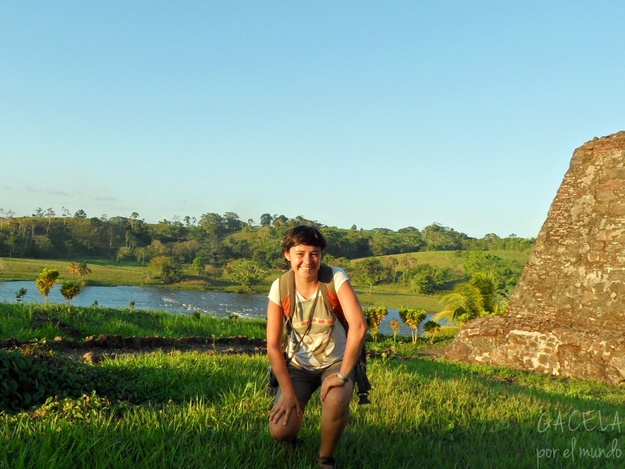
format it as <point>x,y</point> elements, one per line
<point>567,314</point>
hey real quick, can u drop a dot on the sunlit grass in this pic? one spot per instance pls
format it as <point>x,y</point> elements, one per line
<point>209,410</point>
<point>107,273</point>
<point>25,322</point>
<point>196,409</point>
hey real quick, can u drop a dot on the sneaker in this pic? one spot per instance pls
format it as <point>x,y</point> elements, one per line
<point>327,462</point>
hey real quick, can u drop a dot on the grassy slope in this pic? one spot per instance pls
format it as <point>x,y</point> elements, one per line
<point>394,296</point>
<point>175,410</point>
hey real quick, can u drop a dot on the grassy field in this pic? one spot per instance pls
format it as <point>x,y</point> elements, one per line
<point>102,273</point>
<point>111,274</point>
<point>196,410</point>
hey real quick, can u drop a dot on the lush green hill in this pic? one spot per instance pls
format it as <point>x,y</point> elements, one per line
<point>396,296</point>
<point>455,259</point>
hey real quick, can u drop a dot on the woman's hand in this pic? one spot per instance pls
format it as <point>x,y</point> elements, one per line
<point>284,407</point>
<point>332,381</point>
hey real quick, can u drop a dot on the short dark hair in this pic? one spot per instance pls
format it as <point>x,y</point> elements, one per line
<point>303,234</point>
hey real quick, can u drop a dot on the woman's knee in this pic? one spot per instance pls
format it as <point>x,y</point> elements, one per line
<point>282,432</point>
<point>288,432</point>
<point>337,400</point>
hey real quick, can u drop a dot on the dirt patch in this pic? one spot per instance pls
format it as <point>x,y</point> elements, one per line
<point>112,345</point>
<point>94,349</point>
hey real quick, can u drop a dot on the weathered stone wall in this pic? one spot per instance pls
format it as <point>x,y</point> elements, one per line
<point>567,314</point>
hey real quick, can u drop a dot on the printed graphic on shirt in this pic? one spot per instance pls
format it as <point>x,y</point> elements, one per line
<point>317,338</point>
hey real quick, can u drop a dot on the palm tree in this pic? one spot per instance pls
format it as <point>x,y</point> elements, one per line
<point>477,297</point>
<point>73,268</point>
<point>79,268</point>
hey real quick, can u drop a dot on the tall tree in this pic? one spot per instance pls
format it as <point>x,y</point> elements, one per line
<point>65,213</point>
<point>213,225</point>
<point>134,216</point>
<point>80,214</point>
<point>232,222</point>
<point>50,213</point>
<point>266,219</point>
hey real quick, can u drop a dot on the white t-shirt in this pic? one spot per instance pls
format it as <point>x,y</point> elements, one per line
<point>318,344</point>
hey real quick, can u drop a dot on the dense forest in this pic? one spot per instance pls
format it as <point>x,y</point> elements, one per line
<point>223,245</point>
<point>216,239</point>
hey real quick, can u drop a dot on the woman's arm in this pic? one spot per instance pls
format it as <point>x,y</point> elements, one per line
<point>287,401</point>
<point>357,326</point>
<point>355,335</point>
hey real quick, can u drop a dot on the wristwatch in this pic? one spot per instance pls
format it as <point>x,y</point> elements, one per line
<point>344,378</point>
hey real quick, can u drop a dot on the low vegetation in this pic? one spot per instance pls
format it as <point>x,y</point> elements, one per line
<point>175,409</point>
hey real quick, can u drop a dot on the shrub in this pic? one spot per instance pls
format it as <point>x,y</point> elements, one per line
<point>374,318</point>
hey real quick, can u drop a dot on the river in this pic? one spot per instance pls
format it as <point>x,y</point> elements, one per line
<point>164,299</point>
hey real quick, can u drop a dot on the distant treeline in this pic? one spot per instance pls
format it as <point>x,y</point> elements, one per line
<point>216,239</point>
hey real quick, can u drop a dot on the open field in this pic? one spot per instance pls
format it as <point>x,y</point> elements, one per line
<point>101,273</point>
<point>174,409</point>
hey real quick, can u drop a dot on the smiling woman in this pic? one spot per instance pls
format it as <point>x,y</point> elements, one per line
<point>321,352</point>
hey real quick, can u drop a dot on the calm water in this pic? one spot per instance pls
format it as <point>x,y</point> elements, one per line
<point>159,299</point>
<point>162,299</point>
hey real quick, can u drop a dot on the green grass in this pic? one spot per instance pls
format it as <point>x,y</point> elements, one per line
<point>25,322</point>
<point>211,411</point>
<point>101,273</point>
<point>389,296</point>
<point>189,409</point>
<point>454,260</point>
<point>112,274</point>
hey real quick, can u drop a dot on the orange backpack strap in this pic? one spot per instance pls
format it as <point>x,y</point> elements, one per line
<point>286,288</point>
<point>327,289</point>
<point>328,292</point>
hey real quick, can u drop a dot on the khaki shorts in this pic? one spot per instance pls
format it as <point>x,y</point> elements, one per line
<point>306,382</point>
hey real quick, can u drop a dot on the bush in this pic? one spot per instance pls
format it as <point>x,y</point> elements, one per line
<point>29,380</point>
<point>22,383</point>
<point>374,317</point>
<point>166,268</point>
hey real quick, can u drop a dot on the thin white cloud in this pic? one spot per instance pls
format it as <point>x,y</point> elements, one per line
<point>103,198</point>
<point>56,192</point>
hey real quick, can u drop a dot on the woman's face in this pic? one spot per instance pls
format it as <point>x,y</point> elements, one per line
<point>305,260</point>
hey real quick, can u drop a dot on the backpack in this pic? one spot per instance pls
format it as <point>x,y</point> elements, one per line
<point>328,293</point>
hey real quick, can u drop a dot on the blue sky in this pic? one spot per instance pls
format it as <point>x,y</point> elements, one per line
<point>374,114</point>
